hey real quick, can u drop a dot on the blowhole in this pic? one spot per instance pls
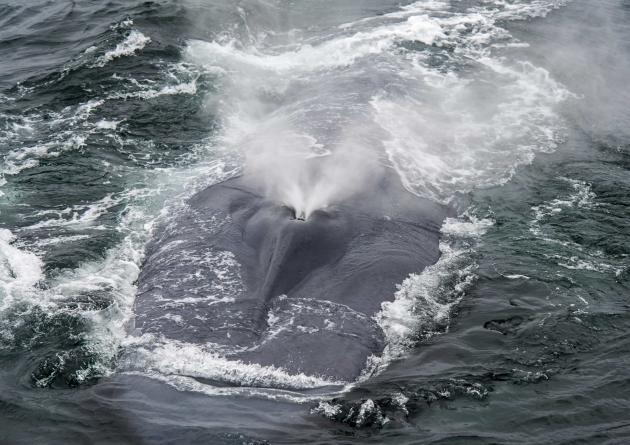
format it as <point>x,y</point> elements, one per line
<point>299,216</point>
<point>295,215</point>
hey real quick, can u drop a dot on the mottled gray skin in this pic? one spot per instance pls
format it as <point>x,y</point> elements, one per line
<point>305,292</point>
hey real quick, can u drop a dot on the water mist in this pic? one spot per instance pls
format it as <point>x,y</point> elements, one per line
<point>291,169</point>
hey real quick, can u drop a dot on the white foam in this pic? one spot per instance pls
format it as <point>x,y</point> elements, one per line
<point>107,125</point>
<point>333,53</point>
<point>185,383</point>
<point>412,24</point>
<point>570,254</point>
<point>126,23</point>
<point>423,302</point>
<point>193,360</point>
<point>453,144</point>
<point>583,197</point>
<point>180,79</point>
<point>327,409</point>
<point>134,42</point>
<point>189,88</point>
<point>576,263</point>
<point>29,157</point>
<point>63,131</point>
<point>508,10</point>
<point>368,411</point>
<point>60,240</point>
<point>78,215</point>
<point>20,270</point>
<point>405,11</point>
<point>517,277</point>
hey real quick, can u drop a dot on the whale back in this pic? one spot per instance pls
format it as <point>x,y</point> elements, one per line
<point>242,273</point>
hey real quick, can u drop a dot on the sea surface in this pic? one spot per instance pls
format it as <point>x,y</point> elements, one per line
<point>515,113</point>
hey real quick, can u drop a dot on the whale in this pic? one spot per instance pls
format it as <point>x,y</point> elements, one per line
<point>261,285</point>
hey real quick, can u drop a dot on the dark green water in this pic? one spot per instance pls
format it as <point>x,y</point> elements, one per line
<point>514,112</point>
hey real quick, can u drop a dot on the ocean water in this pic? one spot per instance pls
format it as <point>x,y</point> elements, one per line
<point>512,112</point>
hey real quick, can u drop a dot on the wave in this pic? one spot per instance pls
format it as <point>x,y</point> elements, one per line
<point>134,42</point>
<point>20,270</point>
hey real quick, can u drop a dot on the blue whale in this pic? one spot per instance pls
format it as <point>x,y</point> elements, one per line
<point>241,273</point>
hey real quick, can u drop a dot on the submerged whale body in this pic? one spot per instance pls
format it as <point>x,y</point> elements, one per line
<point>241,273</point>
